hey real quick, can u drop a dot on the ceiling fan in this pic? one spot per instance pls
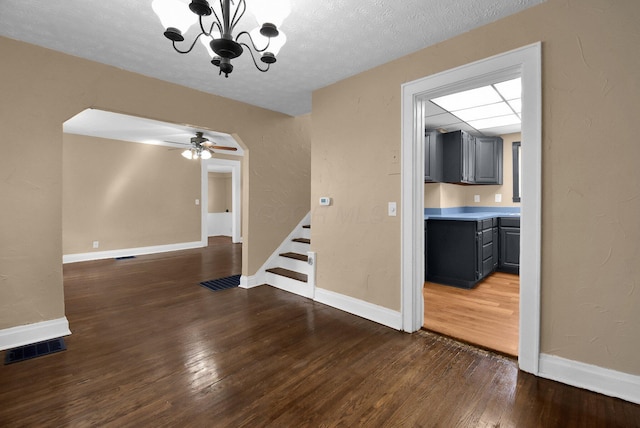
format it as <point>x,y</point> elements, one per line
<point>202,147</point>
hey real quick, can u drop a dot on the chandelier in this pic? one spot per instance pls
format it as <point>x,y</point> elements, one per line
<point>265,40</point>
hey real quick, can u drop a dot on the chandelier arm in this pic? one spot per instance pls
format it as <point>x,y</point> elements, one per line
<point>254,59</point>
<point>237,18</point>
<point>252,42</point>
<point>216,22</point>
<point>190,48</point>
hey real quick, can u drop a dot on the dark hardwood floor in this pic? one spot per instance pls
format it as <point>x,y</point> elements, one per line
<point>152,348</point>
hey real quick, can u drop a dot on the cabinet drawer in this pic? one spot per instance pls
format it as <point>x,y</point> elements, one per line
<point>487,250</point>
<point>487,236</point>
<point>510,221</point>
<point>487,267</point>
<point>487,224</point>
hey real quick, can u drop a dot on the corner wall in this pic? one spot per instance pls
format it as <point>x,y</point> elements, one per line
<point>590,233</point>
<point>42,88</point>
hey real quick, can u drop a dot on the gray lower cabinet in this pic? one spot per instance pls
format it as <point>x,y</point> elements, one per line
<point>460,253</point>
<point>509,260</point>
<point>432,157</point>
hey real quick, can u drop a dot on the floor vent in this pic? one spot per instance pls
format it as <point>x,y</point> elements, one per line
<point>34,350</point>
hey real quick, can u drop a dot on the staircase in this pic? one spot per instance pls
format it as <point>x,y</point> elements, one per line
<point>291,270</point>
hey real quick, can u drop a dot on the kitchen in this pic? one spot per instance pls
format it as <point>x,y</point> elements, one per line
<point>472,216</point>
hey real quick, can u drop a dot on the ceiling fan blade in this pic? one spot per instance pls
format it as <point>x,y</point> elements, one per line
<point>232,149</point>
<point>176,142</point>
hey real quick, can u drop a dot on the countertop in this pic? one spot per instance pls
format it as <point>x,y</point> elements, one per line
<point>470,216</point>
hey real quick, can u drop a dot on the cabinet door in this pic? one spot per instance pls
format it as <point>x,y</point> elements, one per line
<point>510,249</point>
<point>468,158</point>
<point>496,246</point>
<point>488,160</point>
<point>458,149</point>
<point>432,157</point>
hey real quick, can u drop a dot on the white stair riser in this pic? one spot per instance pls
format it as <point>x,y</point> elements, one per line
<point>306,233</point>
<point>299,247</point>
<point>294,265</point>
<point>288,284</point>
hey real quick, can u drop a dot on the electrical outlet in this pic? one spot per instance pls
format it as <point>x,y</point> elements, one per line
<point>498,197</point>
<point>96,244</point>
<point>476,198</point>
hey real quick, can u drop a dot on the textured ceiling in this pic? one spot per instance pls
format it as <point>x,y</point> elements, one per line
<point>327,41</point>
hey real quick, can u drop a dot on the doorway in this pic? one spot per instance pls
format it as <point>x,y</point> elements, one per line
<point>524,62</point>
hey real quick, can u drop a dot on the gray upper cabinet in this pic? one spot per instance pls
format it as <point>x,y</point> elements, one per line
<point>471,160</point>
<point>488,161</point>
<point>458,157</point>
<point>432,157</point>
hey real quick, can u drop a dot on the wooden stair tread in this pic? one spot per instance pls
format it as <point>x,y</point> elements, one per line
<point>289,274</point>
<point>303,240</point>
<point>307,226</point>
<point>296,256</point>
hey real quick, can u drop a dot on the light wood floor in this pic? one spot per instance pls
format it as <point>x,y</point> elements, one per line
<point>487,315</point>
<point>152,348</point>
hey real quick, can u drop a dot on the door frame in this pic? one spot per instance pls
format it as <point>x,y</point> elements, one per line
<point>210,165</point>
<point>526,63</point>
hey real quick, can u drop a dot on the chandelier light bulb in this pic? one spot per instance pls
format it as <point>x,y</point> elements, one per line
<point>270,11</point>
<point>174,14</point>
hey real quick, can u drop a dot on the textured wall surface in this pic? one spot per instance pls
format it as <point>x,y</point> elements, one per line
<point>42,88</point>
<point>136,195</point>
<point>591,198</point>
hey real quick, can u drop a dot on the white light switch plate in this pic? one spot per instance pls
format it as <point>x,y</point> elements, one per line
<point>392,209</point>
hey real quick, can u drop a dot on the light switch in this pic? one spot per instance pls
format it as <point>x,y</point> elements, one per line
<point>197,201</point>
<point>392,209</point>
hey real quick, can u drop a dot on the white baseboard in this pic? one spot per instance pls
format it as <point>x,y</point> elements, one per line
<point>249,281</point>
<point>110,254</point>
<point>33,333</point>
<point>604,381</point>
<point>358,307</point>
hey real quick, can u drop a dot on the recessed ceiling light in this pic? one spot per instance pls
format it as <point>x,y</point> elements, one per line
<point>483,112</point>
<point>510,89</point>
<point>493,122</point>
<point>468,99</point>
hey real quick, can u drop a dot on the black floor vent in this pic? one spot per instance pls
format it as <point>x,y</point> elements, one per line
<point>34,350</point>
<point>222,283</point>
<point>125,257</point>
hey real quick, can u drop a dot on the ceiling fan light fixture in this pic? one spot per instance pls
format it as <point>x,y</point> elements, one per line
<point>187,154</point>
<point>206,154</point>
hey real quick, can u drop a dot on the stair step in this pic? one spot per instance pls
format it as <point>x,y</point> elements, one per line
<point>289,274</point>
<point>307,226</point>
<point>303,240</point>
<point>296,256</point>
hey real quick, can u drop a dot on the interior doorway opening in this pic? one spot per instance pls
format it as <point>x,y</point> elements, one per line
<point>526,63</point>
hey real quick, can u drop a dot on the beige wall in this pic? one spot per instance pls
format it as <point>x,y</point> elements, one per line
<point>445,195</point>
<point>220,192</point>
<point>590,204</point>
<point>41,89</point>
<point>126,195</point>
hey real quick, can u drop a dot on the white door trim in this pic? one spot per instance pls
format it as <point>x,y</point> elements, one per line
<point>525,62</point>
<point>236,196</point>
